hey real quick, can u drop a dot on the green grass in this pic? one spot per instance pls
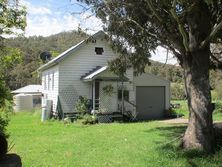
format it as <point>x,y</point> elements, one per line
<point>217,115</point>
<point>54,144</point>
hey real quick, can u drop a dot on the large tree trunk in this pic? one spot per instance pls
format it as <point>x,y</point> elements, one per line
<point>199,133</point>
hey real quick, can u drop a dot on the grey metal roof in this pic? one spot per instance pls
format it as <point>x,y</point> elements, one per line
<point>70,50</point>
<point>29,89</point>
<point>95,74</point>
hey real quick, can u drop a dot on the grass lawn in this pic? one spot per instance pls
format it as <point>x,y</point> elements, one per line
<point>54,144</point>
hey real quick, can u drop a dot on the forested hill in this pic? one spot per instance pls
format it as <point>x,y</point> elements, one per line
<point>24,72</point>
<point>170,72</point>
<point>175,73</point>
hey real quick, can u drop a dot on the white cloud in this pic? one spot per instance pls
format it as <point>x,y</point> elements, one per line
<point>47,25</point>
<point>42,21</point>
<point>36,10</point>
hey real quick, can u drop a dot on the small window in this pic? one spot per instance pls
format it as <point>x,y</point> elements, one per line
<point>125,95</point>
<point>99,51</point>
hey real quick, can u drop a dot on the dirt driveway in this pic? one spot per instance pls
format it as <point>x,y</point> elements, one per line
<point>175,121</point>
<point>184,121</point>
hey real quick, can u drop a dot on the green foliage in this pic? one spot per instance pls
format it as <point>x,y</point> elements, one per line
<point>9,59</point>
<point>88,119</point>
<point>108,90</point>
<point>12,16</point>
<point>218,107</point>
<point>4,94</point>
<point>177,91</point>
<point>170,72</point>
<point>6,108</point>
<point>183,109</point>
<point>81,105</point>
<point>4,120</point>
<point>218,89</point>
<point>214,95</point>
<point>170,113</point>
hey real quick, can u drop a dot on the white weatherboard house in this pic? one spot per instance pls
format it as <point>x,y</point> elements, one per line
<point>82,71</point>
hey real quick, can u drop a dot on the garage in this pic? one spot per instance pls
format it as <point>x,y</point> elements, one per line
<point>152,96</point>
<point>150,102</point>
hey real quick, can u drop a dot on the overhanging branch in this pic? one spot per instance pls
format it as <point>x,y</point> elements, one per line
<point>214,32</point>
<point>181,28</point>
<point>149,3</point>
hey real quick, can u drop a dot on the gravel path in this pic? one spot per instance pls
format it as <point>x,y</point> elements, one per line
<point>176,121</point>
<point>183,121</point>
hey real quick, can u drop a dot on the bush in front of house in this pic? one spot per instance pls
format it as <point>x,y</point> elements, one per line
<point>88,119</point>
<point>81,106</point>
<point>171,113</point>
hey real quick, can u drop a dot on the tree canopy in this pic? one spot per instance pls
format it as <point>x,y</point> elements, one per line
<point>12,19</point>
<point>186,28</point>
<point>146,24</point>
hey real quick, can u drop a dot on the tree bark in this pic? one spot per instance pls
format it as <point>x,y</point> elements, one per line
<point>199,133</point>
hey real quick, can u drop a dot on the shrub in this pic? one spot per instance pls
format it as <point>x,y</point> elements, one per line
<point>177,91</point>
<point>170,113</point>
<point>88,119</point>
<point>81,105</point>
<point>3,123</point>
<point>218,89</point>
<point>218,106</point>
<point>214,95</point>
<point>4,119</point>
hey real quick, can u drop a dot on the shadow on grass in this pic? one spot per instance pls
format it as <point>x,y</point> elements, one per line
<point>172,150</point>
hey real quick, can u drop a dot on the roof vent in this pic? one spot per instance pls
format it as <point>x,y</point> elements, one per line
<point>99,50</point>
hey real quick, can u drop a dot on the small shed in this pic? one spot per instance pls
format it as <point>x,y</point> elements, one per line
<point>34,91</point>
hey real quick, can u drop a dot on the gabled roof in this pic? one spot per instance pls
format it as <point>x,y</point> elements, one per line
<point>70,50</point>
<point>29,89</point>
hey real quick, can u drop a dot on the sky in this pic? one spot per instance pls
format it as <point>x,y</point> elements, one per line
<point>47,17</point>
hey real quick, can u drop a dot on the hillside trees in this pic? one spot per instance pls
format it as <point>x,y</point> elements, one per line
<point>25,73</point>
<point>12,18</point>
<point>186,28</point>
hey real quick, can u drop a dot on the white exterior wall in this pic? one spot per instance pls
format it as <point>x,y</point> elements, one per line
<point>49,91</point>
<point>76,65</point>
<point>152,80</point>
